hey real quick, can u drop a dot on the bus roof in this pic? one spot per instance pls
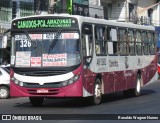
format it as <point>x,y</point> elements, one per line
<point>82,19</point>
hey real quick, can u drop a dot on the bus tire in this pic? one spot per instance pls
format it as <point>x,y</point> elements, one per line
<point>97,97</point>
<point>36,101</point>
<point>137,91</point>
<point>4,92</point>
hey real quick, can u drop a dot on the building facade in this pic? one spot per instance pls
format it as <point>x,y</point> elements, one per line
<point>145,12</point>
<point>5,20</point>
<point>10,9</point>
<point>5,15</point>
<point>149,11</point>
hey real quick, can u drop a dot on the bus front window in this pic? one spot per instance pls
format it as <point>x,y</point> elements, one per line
<point>46,50</point>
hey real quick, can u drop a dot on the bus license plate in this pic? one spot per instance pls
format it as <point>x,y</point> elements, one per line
<point>42,91</point>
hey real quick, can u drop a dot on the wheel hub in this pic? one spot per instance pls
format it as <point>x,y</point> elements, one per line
<point>138,86</point>
<point>3,93</point>
<point>98,91</point>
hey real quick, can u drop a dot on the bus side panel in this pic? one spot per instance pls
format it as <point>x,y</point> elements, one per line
<point>109,82</point>
<point>120,81</point>
<point>131,77</point>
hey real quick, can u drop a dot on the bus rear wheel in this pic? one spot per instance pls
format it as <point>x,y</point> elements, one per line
<point>36,101</point>
<point>136,91</point>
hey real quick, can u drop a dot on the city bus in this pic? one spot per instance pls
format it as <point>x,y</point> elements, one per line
<point>69,56</point>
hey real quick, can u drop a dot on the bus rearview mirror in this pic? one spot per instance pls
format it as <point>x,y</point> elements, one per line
<point>4,41</point>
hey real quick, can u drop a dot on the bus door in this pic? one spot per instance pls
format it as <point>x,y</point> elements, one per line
<point>87,47</point>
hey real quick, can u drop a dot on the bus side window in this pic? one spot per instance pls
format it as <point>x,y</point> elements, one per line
<point>131,42</point>
<point>138,43</point>
<point>112,40</point>
<point>151,42</point>
<point>145,42</point>
<point>100,40</point>
<point>122,41</point>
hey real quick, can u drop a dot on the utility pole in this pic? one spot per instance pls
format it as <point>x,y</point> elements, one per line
<point>126,11</point>
<point>37,2</point>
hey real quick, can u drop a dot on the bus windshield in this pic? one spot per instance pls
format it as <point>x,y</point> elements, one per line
<point>49,49</point>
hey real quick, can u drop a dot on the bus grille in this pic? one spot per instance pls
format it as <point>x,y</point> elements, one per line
<point>45,85</point>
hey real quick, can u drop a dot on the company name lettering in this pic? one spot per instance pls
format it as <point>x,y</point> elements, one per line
<point>101,61</point>
<point>113,63</point>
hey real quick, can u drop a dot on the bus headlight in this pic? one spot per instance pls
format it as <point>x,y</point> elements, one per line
<point>71,80</point>
<point>65,83</point>
<point>13,79</point>
<point>20,83</point>
<point>16,82</point>
<point>76,77</point>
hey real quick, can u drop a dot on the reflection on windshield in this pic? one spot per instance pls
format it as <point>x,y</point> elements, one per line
<point>66,50</point>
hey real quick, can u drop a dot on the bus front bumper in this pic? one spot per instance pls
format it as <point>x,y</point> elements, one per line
<point>73,90</point>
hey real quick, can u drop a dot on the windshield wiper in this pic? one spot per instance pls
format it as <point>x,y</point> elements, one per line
<point>54,41</point>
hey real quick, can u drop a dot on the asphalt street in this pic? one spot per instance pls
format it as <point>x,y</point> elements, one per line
<point>115,103</point>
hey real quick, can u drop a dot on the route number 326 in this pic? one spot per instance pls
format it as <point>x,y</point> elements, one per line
<point>25,43</point>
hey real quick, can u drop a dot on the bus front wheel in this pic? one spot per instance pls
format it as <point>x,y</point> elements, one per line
<point>36,101</point>
<point>97,97</point>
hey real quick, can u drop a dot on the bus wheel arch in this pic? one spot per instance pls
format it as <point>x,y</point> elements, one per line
<point>140,74</point>
<point>138,85</point>
<point>100,76</point>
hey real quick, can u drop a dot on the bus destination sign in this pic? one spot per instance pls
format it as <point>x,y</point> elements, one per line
<point>33,23</point>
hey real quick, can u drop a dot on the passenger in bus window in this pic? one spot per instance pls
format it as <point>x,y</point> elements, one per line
<point>138,43</point>
<point>119,43</point>
<point>123,41</point>
<point>128,43</point>
<point>132,43</point>
<point>103,41</point>
<point>150,41</point>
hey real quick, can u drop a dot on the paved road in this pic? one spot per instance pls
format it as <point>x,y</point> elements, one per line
<point>116,103</point>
